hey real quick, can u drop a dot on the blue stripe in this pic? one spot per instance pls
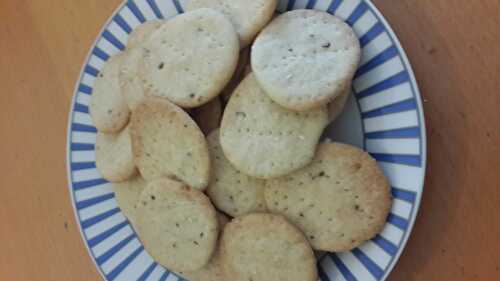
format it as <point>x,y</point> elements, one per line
<point>91,202</point>
<point>372,267</point>
<point>404,195</point>
<point>137,13</point>
<point>91,70</point>
<point>155,9</point>
<point>82,166</point>
<point>164,276</point>
<point>90,222</point>
<point>381,58</point>
<point>386,245</point>
<point>322,274</point>
<point>81,108</point>
<point>371,34</point>
<point>82,147</point>
<point>113,40</point>
<point>103,236</point>
<point>406,133</point>
<point>83,128</point>
<point>388,83</point>
<point>398,221</point>
<point>334,6</point>
<point>402,106</point>
<point>100,54</point>
<point>343,269</point>
<point>87,184</point>
<point>113,274</point>
<point>408,160</point>
<point>122,23</point>
<point>111,252</point>
<point>148,272</point>
<point>291,4</point>
<point>358,12</point>
<point>178,6</point>
<point>85,89</point>
<point>311,4</point>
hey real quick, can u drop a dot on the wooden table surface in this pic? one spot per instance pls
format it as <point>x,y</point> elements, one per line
<point>454,47</point>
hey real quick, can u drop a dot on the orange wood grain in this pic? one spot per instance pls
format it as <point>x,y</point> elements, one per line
<point>454,49</point>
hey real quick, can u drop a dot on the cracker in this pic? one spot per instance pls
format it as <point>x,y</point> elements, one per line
<point>175,221</point>
<point>248,17</point>
<point>266,247</point>
<point>114,157</point>
<point>127,194</point>
<point>336,107</point>
<point>264,140</point>
<point>240,73</point>
<point>213,270</point>
<point>230,190</point>
<point>141,33</point>
<point>168,143</point>
<point>130,83</point>
<point>208,116</point>
<point>305,58</point>
<point>339,201</point>
<point>191,58</point>
<point>108,108</point>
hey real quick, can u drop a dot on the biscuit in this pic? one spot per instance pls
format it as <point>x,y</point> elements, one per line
<point>248,17</point>
<point>108,108</point>
<point>305,58</point>
<point>167,143</point>
<point>177,225</point>
<point>230,190</point>
<point>141,33</point>
<point>127,194</point>
<point>266,247</point>
<point>264,140</point>
<point>208,116</point>
<point>339,201</point>
<point>190,58</point>
<point>114,157</point>
<point>336,107</point>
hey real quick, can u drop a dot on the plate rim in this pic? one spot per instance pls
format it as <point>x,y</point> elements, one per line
<point>419,109</point>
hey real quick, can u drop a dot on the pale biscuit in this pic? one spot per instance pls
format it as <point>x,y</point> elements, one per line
<point>177,225</point>
<point>339,201</point>
<point>305,58</point>
<point>336,107</point>
<point>264,140</point>
<point>190,58</point>
<point>240,73</point>
<point>266,247</point>
<point>213,270</point>
<point>141,33</point>
<point>130,83</point>
<point>108,108</point>
<point>208,116</point>
<point>114,157</point>
<point>248,17</point>
<point>230,190</point>
<point>127,194</point>
<point>167,143</point>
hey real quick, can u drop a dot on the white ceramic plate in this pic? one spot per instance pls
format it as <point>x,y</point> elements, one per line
<point>384,116</point>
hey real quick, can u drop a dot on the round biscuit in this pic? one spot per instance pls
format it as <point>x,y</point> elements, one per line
<point>167,143</point>
<point>266,247</point>
<point>264,140</point>
<point>230,190</point>
<point>248,17</point>
<point>305,58</point>
<point>108,108</point>
<point>190,58</point>
<point>339,201</point>
<point>114,157</point>
<point>177,225</point>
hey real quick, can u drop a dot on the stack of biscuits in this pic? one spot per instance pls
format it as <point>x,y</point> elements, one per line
<point>209,129</point>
